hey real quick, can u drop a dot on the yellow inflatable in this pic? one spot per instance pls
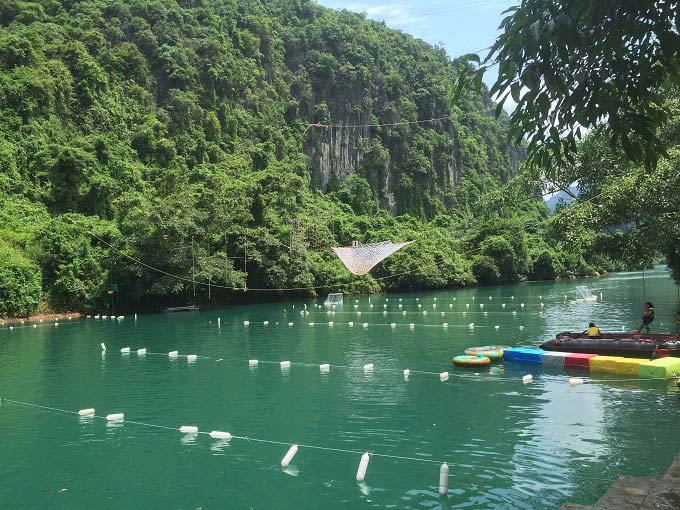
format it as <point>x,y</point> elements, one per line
<point>493,352</point>
<point>471,361</point>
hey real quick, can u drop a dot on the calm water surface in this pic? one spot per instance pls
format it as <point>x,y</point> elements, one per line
<point>508,445</point>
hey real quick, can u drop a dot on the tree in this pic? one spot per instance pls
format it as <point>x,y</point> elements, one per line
<point>575,64</point>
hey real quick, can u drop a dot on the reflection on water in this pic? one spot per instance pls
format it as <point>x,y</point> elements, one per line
<point>508,445</point>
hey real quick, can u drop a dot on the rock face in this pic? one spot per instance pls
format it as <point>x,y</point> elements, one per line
<point>379,107</point>
<point>335,153</point>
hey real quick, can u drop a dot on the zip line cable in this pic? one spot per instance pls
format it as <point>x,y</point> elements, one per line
<point>314,287</point>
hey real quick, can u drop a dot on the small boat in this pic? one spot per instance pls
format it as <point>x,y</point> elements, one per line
<point>638,345</point>
<point>190,308</point>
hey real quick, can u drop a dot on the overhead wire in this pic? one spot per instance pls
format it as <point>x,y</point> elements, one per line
<point>288,289</point>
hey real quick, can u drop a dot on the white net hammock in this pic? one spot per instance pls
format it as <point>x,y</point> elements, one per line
<point>361,258</point>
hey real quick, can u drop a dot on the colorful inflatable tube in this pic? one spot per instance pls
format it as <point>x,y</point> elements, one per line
<point>471,361</point>
<point>493,352</point>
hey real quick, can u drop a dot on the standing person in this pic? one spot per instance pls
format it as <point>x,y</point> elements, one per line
<point>648,313</point>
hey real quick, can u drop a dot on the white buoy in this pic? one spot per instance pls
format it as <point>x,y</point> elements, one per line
<point>368,367</point>
<point>417,299</point>
<point>291,324</point>
<point>311,324</point>
<point>419,305</point>
<point>445,325</point>
<point>490,298</point>
<point>512,297</point>
<point>191,358</point>
<point>542,305</point>
<point>219,322</point>
<point>370,306</point>
<point>467,305</point>
<point>285,364</point>
<point>41,320</point>
<point>384,306</point>
<point>141,352</point>
<point>393,325</point>
<point>135,316</point>
<point>356,306</point>
<point>11,328</point>
<point>444,376</point>
<point>173,354</point>
<point>527,378</point>
<point>471,325</point>
<point>188,429</point>
<point>246,323</point>
<point>412,326</point>
<point>289,456</point>
<point>481,305</point>
<point>350,324</point>
<point>120,317</point>
<point>454,298</point>
<point>404,312</point>
<point>521,305</point>
<point>330,324</point>
<point>125,350</point>
<point>424,312</point>
<point>400,306</point>
<point>365,325</point>
<point>497,327</point>
<point>358,314</point>
<point>88,316</point>
<point>514,312</point>
<point>575,381</point>
<point>218,434</point>
<point>325,367</point>
<point>115,417</point>
<point>56,324</point>
<point>35,325</point>
<point>502,305</point>
<point>363,466</point>
<point>384,313</point>
<point>86,412</point>
<point>444,480</point>
<point>435,299</point>
<point>473,298</point>
<point>407,372</point>
<point>103,347</point>
<point>434,305</point>
<point>252,362</point>
<point>486,314</point>
<point>450,305</point>
<point>443,314</point>
<point>265,323</point>
<point>521,328</point>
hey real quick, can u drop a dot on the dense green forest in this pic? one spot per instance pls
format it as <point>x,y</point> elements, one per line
<point>234,142</point>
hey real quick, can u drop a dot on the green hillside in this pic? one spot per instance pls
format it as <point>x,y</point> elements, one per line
<point>235,143</point>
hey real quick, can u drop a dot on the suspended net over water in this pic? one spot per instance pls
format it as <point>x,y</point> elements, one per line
<point>361,258</point>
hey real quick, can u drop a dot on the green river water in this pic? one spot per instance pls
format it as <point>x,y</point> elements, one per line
<point>508,445</point>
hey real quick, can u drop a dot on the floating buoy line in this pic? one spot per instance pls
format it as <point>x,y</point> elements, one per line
<point>444,475</point>
<point>370,368</point>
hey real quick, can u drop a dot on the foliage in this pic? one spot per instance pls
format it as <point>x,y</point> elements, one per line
<point>166,148</point>
<point>571,65</point>
<point>20,284</point>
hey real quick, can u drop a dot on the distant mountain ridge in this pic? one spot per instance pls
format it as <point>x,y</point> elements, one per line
<point>552,202</point>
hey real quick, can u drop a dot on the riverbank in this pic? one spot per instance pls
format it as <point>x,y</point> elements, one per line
<point>631,493</point>
<point>42,317</point>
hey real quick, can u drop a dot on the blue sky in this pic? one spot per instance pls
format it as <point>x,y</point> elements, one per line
<point>460,26</point>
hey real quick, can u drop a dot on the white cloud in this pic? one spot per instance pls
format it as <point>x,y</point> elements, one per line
<point>394,14</point>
